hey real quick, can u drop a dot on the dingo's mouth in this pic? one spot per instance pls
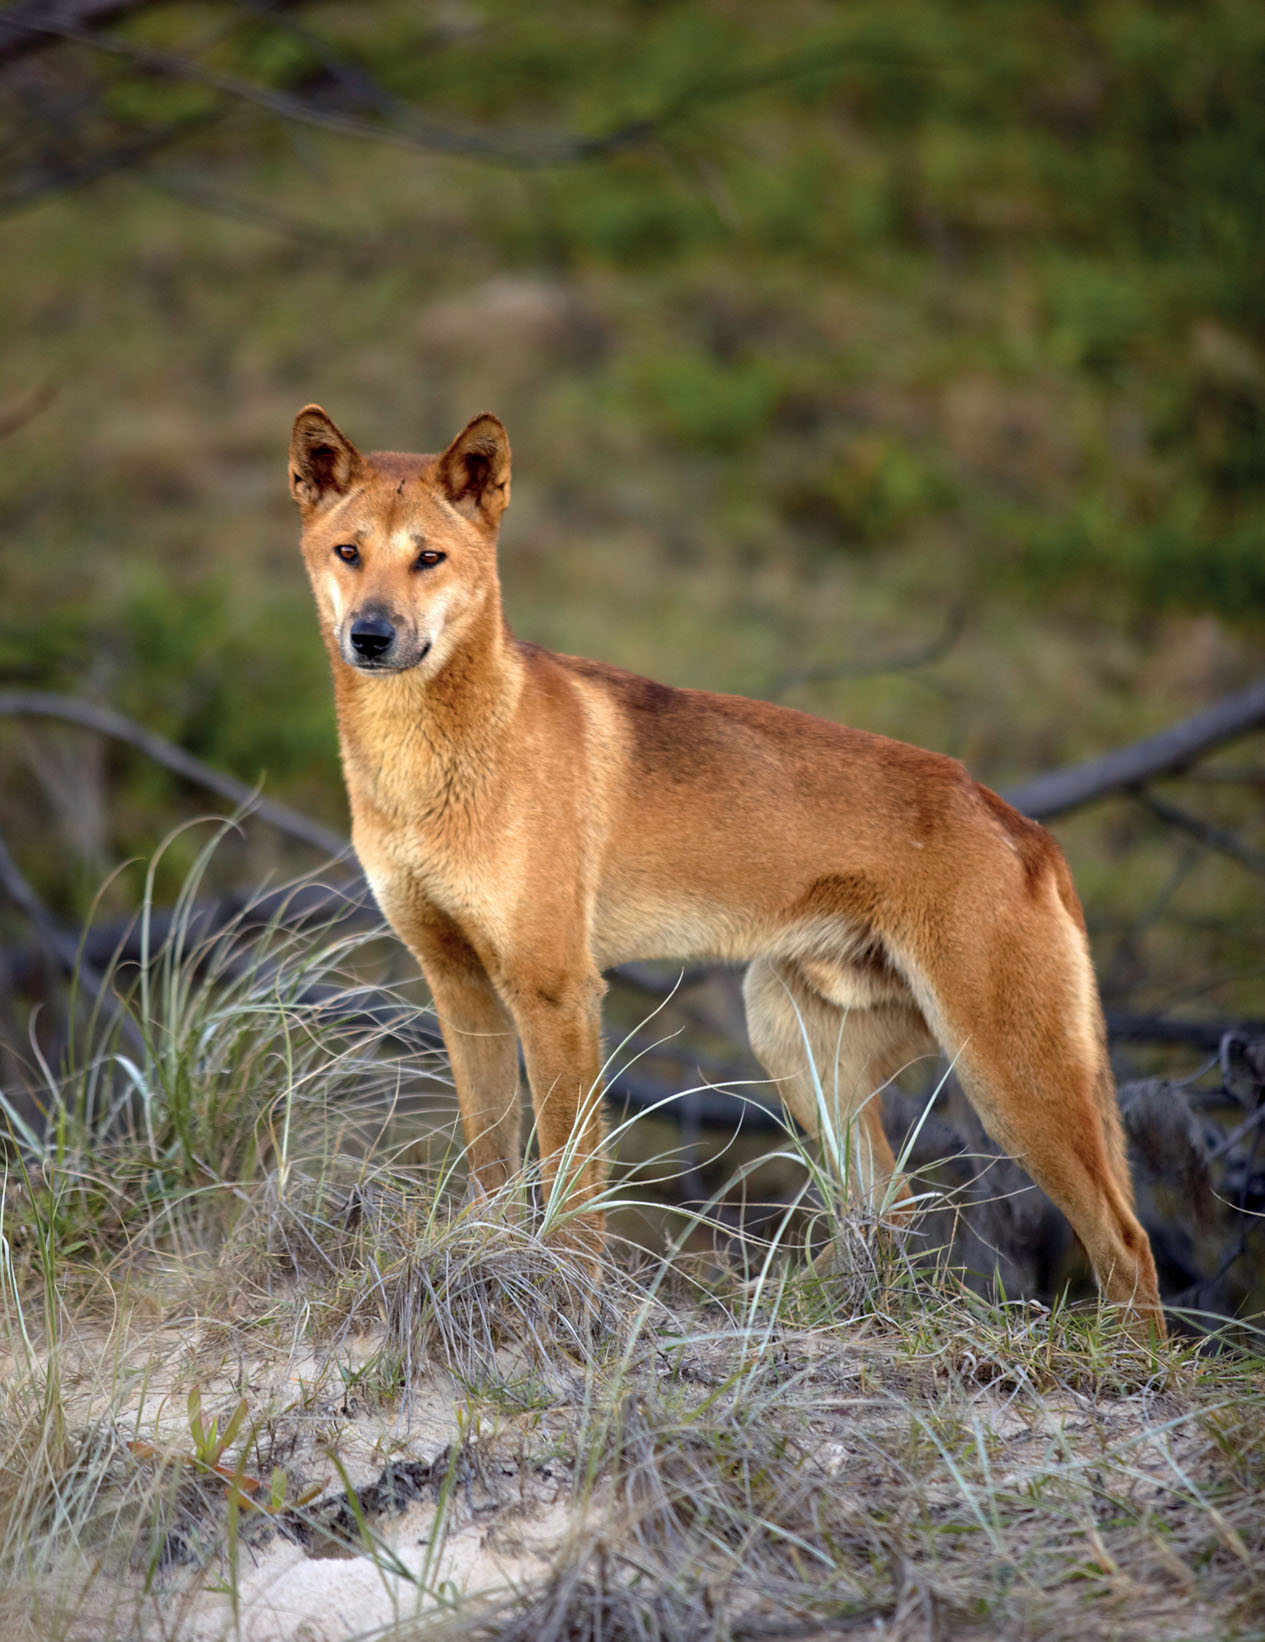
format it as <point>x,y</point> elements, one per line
<point>366,664</point>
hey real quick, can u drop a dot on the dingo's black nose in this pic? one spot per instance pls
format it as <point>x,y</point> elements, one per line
<point>371,637</point>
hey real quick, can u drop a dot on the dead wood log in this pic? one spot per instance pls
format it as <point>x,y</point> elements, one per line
<point>105,721</point>
<point>1211,836</point>
<point>1166,753</point>
<point>898,661</point>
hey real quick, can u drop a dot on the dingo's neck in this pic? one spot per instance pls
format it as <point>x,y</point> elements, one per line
<point>420,740</point>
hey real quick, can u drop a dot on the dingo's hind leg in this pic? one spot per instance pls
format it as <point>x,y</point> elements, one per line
<point>1049,1115</point>
<point>1021,1018</point>
<point>829,1062</point>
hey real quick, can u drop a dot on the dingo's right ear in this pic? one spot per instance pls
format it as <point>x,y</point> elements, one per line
<point>323,464</point>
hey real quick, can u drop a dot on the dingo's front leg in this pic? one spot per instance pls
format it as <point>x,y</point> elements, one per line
<point>558,1014</point>
<point>480,1039</point>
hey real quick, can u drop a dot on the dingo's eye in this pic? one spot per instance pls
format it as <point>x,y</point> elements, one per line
<point>428,559</point>
<point>348,554</point>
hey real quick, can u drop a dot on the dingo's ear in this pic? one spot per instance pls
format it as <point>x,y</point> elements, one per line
<point>474,472</point>
<point>323,464</point>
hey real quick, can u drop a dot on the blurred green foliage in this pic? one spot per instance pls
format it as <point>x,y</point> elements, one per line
<point>846,314</point>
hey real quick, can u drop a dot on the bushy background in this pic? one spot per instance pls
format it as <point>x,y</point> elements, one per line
<point>818,329</point>
<point>900,359</point>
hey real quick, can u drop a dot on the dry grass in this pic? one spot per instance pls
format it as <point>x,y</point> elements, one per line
<point>704,1470</point>
<point>286,1376</point>
<point>696,1473</point>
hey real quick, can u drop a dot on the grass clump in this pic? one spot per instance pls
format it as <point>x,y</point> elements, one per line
<point>218,1060</point>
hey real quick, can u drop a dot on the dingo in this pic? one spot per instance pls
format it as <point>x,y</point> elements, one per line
<point>527,820</point>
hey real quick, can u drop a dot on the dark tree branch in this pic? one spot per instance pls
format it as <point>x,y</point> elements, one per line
<point>27,408</point>
<point>104,721</point>
<point>901,661</point>
<point>1208,833</point>
<point>66,176</point>
<point>398,124</point>
<point>405,128</point>
<point>64,948</point>
<point>1124,1027</point>
<point>31,25</point>
<point>1238,1135</point>
<point>1167,753</point>
<point>1164,753</point>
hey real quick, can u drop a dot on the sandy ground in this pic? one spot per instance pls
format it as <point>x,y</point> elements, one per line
<point>299,1574</point>
<point>449,1533</point>
<point>292,1596</point>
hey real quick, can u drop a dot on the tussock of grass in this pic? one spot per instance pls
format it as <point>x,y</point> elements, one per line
<point>467,1284</point>
<point>244,1318</point>
<point>600,1596</point>
<point>231,1060</point>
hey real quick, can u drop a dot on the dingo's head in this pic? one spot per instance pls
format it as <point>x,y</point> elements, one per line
<point>401,550</point>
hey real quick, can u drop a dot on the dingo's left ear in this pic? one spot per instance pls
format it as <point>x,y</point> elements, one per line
<point>474,472</point>
<point>324,464</point>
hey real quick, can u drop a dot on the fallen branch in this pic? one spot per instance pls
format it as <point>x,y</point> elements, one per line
<point>30,25</point>
<point>105,721</point>
<point>1166,753</point>
<point>1208,833</point>
<point>900,661</point>
<point>1053,794</point>
<point>63,947</point>
<point>1124,1027</point>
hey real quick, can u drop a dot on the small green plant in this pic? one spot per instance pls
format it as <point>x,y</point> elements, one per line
<point>209,1442</point>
